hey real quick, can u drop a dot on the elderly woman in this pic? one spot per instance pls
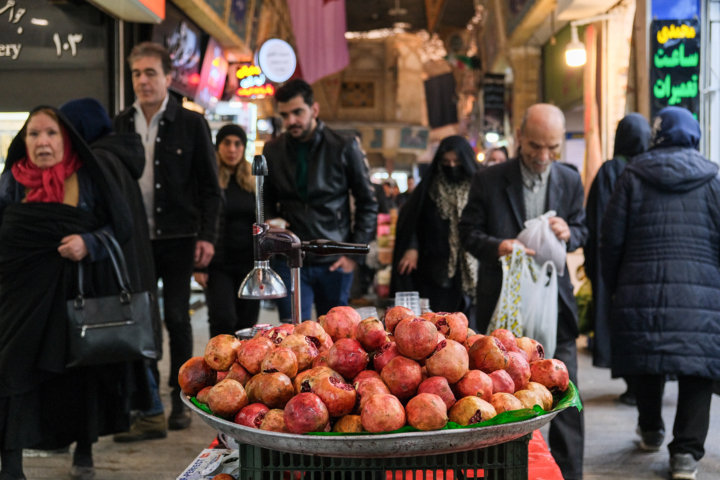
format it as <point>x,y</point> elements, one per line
<point>53,196</point>
<point>428,256</point>
<point>233,258</point>
<point>660,250</point>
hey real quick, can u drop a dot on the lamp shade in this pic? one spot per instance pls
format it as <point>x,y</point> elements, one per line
<point>262,283</point>
<point>575,54</point>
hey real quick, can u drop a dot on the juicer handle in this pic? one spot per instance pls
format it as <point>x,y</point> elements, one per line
<point>329,247</point>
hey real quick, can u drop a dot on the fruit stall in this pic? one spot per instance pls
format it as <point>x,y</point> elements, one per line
<point>410,397</point>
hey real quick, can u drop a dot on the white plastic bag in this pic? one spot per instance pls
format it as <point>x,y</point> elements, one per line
<point>538,236</point>
<point>508,311</point>
<point>539,293</point>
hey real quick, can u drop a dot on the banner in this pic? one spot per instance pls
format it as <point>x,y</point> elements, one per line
<point>494,102</point>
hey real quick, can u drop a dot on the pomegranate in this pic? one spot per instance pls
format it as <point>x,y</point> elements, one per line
<point>274,390</point>
<point>252,352</point>
<point>221,376</point>
<point>506,337</point>
<point>382,413</point>
<point>371,334</point>
<point>519,350</point>
<point>365,374</point>
<point>305,380</point>
<point>304,348</point>
<point>276,335</point>
<point>533,348</point>
<point>402,376</point>
<point>368,387</point>
<point>423,373</point>
<point>274,421</point>
<point>202,395</point>
<point>341,322</point>
<point>223,476</point>
<point>227,398</point>
<point>528,398</point>
<point>306,413</point>
<point>383,356</point>
<point>338,397</point>
<point>449,360</point>
<point>489,354</point>
<point>550,373</point>
<point>194,375</point>
<point>347,357</point>
<point>470,340</point>
<point>395,315</point>
<point>502,382</point>
<point>280,360</point>
<point>251,415</point>
<point>543,393</point>
<point>440,387</point>
<point>451,325</point>
<point>505,402</point>
<point>416,338</point>
<point>251,388</point>
<point>310,328</point>
<point>221,352</point>
<point>238,372</point>
<point>348,424</point>
<point>325,346</point>
<point>426,411</point>
<point>471,410</point>
<point>320,360</point>
<point>471,332</point>
<point>474,384</point>
<point>519,371</point>
<point>288,327</point>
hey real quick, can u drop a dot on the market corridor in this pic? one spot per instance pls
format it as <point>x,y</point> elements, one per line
<point>611,445</point>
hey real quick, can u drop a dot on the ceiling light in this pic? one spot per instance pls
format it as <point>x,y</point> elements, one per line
<point>492,137</point>
<point>480,157</point>
<point>575,54</point>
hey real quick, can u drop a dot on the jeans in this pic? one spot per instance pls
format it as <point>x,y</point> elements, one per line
<point>692,418</point>
<point>226,312</point>
<point>157,406</point>
<point>318,284</point>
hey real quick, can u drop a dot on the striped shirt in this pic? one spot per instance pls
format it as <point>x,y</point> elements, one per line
<point>534,191</point>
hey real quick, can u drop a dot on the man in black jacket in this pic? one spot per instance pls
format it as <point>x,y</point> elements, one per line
<point>182,199</point>
<point>501,199</point>
<point>312,172</point>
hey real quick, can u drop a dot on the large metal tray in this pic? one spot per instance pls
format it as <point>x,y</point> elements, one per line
<point>377,446</point>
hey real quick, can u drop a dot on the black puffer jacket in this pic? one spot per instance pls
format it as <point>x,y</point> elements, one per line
<point>660,245</point>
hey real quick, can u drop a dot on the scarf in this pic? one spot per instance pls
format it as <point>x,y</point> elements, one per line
<point>47,185</point>
<point>450,199</point>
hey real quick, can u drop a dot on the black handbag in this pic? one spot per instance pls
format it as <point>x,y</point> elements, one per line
<point>110,329</point>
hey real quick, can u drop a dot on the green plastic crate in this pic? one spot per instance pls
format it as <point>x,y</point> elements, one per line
<point>507,461</point>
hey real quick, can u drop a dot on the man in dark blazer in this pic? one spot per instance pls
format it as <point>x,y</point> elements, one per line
<point>501,199</point>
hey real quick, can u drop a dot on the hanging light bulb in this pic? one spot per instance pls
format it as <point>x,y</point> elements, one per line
<point>575,54</point>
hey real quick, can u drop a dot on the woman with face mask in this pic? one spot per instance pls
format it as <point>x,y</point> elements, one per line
<point>428,256</point>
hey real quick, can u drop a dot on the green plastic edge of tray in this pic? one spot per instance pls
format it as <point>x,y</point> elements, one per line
<point>570,398</point>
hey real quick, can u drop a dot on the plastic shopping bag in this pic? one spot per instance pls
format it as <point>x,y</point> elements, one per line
<point>539,293</point>
<point>538,236</point>
<point>508,311</point>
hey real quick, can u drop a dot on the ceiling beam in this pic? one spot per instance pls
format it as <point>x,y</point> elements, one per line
<point>206,18</point>
<point>434,10</point>
<point>531,22</point>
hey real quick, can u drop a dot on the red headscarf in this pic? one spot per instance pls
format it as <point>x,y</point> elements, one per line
<point>47,185</point>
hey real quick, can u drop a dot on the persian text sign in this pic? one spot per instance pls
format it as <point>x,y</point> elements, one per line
<point>675,65</point>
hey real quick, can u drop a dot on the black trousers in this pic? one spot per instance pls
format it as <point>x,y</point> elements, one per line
<point>567,430</point>
<point>174,259</point>
<point>692,418</point>
<point>226,312</point>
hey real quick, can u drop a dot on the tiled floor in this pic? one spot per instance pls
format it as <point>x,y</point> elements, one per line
<point>611,446</point>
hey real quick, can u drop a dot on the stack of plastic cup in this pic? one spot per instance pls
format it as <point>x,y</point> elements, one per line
<point>425,305</point>
<point>409,300</point>
<point>367,312</point>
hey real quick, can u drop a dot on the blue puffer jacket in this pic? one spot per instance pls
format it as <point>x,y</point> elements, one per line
<point>660,245</point>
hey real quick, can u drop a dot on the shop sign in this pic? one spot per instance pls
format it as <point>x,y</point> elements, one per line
<point>277,60</point>
<point>494,102</point>
<point>675,65</point>
<point>212,76</point>
<point>252,82</point>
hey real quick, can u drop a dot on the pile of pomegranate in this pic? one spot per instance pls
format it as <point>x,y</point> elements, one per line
<point>344,374</point>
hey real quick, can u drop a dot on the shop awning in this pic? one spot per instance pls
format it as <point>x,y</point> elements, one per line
<point>140,11</point>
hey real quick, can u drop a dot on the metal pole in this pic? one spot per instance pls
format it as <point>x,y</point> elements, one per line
<point>295,293</point>
<point>259,213</point>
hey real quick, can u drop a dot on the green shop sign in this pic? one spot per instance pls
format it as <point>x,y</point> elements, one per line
<point>675,64</point>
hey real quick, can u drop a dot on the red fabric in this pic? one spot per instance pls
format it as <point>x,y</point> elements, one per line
<point>47,185</point>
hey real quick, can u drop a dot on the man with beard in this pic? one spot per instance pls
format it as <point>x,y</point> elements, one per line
<point>312,173</point>
<point>501,199</point>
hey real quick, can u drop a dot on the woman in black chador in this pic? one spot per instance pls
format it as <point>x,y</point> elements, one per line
<point>428,256</point>
<point>53,196</point>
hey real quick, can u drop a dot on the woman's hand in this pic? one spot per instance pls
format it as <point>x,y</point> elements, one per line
<point>73,247</point>
<point>409,262</point>
<point>201,278</point>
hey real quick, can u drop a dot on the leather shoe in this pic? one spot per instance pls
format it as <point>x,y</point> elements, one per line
<point>144,428</point>
<point>179,419</point>
<point>82,473</point>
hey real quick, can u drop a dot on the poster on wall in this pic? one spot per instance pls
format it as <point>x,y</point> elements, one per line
<point>212,76</point>
<point>494,102</point>
<point>675,65</point>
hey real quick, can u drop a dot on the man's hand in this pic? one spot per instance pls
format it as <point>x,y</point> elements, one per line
<point>506,248</point>
<point>344,264</point>
<point>560,228</point>
<point>73,247</point>
<point>204,252</point>
<point>408,263</point>
<point>201,278</point>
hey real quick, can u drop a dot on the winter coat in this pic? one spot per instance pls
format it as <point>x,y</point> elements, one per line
<point>660,245</point>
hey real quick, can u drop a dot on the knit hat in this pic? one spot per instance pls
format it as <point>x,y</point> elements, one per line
<point>231,129</point>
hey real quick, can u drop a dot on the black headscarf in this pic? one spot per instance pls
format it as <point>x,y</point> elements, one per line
<point>89,118</point>
<point>632,136</point>
<point>675,127</point>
